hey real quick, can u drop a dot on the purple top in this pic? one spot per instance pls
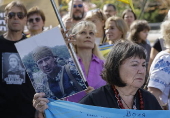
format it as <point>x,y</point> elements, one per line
<point>93,78</point>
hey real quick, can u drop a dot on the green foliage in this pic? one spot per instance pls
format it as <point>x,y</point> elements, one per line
<point>61,51</point>
<point>153,16</point>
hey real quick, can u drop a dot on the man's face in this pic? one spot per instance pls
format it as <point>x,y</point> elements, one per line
<point>78,10</point>
<point>46,64</point>
<point>16,19</point>
<point>109,11</point>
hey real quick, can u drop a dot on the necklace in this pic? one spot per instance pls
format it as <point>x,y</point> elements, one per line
<point>125,103</point>
<point>119,101</point>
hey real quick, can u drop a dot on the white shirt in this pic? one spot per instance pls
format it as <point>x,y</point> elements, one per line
<point>160,75</point>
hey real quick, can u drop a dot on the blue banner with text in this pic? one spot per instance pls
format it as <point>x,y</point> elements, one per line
<point>66,109</point>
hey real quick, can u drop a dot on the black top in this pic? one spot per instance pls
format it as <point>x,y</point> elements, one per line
<point>147,48</point>
<point>105,97</point>
<point>157,45</point>
<point>16,92</point>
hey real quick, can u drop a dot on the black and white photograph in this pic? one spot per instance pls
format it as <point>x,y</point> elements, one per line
<point>49,65</point>
<point>12,69</point>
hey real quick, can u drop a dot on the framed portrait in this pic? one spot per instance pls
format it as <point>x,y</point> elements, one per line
<point>49,64</point>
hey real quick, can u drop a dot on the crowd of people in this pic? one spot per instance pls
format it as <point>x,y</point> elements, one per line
<point>131,75</point>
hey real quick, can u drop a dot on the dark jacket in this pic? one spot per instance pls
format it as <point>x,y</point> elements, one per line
<point>105,97</point>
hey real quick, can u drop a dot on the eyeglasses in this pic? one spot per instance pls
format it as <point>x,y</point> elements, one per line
<point>31,20</point>
<point>79,5</point>
<point>20,15</point>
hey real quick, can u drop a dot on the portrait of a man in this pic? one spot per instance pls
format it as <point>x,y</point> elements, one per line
<point>55,80</point>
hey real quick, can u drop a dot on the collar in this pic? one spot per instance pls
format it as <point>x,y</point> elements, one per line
<point>94,58</point>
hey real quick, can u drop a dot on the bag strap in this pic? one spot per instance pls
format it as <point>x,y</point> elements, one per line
<point>61,82</point>
<point>72,78</point>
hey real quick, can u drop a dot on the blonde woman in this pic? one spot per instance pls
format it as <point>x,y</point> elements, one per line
<point>88,55</point>
<point>159,83</point>
<point>115,29</point>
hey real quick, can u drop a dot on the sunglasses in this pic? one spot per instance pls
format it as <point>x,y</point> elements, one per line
<point>31,20</point>
<point>20,15</point>
<point>79,5</point>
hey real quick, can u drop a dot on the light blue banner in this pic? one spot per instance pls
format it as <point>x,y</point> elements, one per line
<point>65,109</point>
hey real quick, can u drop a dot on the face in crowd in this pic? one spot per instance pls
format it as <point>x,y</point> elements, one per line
<point>85,35</point>
<point>98,18</point>
<point>35,23</point>
<point>133,71</point>
<point>112,32</point>
<point>129,18</point>
<point>109,11</point>
<point>78,10</point>
<point>15,19</point>
<point>85,38</point>
<point>130,67</point>
<point>143,34</point>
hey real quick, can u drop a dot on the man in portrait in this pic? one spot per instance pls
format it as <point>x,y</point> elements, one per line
<point>55,80</point>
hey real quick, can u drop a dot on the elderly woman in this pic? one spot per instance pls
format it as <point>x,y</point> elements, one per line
<point>35,21</point>
<point>124,71</point>
<point>159,83</point>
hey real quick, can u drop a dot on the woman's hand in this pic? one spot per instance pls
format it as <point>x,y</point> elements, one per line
<point>39,102</point>
<point>89,89</point>
<point>68,23</point>
<point>68,39</point>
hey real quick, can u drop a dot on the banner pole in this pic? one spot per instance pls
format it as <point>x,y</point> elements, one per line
<point>73,54</point>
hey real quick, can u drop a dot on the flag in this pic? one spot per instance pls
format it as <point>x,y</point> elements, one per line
<point>66,109</point>
<point>105,49</point>
<point>130,2</point>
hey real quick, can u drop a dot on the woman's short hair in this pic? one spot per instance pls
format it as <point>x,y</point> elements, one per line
<point>120,24</point>
<point>87,24</point>
<point>126,11</point>
<point>96,13</point>
<point>136,27</point>
<point>36,10</point>
<point>165,31</point>
<point>121,51</point>
<point>16,4</point>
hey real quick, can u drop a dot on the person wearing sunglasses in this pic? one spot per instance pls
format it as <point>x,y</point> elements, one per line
<point>75,15</point>
<point>35,20</point>
<point>15,95</point>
